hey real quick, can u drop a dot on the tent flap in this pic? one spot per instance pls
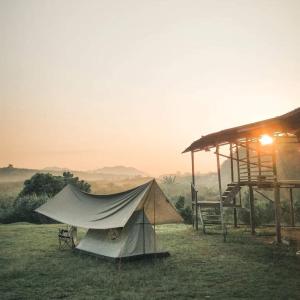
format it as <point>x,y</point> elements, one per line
<point>76,208</point>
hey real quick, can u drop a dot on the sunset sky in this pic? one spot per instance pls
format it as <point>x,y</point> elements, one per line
<point>87,84</point>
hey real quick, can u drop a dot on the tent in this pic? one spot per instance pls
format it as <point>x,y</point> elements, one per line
<point>119,225</point>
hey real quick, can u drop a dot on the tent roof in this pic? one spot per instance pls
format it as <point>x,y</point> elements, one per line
<point>289,122</point>
<point>77,208</point>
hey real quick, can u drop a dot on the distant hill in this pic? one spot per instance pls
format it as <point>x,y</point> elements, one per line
<point>11,174</point>
<point>56,169</point>
<point>120,170</point>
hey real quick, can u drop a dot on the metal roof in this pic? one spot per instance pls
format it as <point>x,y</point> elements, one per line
<point>287,123</point>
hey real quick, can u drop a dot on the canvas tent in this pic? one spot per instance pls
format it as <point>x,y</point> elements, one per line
<point>119,225</point>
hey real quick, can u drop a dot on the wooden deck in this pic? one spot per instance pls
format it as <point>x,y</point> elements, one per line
<point>270,184</point>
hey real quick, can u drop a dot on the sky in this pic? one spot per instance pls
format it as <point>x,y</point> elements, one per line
<point>87,84</point>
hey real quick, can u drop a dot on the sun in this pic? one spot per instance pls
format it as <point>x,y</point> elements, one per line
<point>266,139</point>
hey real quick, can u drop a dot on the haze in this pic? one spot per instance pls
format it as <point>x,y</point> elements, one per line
<point>86,84</point>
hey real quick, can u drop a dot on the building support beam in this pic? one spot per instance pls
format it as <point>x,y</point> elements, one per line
<point>193,168</point>
<point>232,180</point>
<point>276,195</point>
<point>238,171</point>
<point>194,196</point>
<point>251,194</point>
<point>292,211</point>
<point>197,214</point>
<point>252,216</point>
<point>220,192</point>
<point>277,213</point>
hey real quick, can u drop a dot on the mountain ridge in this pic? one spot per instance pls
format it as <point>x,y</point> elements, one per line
<point>12,174</point>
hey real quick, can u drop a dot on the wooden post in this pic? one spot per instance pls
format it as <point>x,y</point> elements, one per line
<point>193,168</point>
<point>196,204</point>
<point>277,213</point>
<point>252,217</point>
<point>259,160</point>
<point>238,163</point>
<point>276,196</point>
<point>193,206</point>
<point>238,171</point>
<point>194,198</point>
<point>220,191</point>
<point>232,180</point>
<point>154,221</point>
<point>251,195</point>
<point>292,212</point>
<point>144,242</point>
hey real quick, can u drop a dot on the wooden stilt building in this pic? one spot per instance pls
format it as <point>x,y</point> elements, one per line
<point>253,150</point>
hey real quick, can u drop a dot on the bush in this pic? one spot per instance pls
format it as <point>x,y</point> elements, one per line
<point>22,209</point>
<point>187,215</point>
<point>185,211</point>
<point>6,211</point>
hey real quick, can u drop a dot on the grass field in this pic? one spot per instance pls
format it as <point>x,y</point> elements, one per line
<point>201,267</point>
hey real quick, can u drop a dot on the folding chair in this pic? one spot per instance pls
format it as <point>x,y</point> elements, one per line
<point>67,238</point>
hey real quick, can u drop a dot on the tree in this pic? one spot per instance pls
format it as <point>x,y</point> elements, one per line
<point>47,184</point>
<point>81,184</point>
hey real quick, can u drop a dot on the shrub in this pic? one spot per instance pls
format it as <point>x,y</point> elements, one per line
<point>24,208</point>
<point>6,211</point>
<point>185,211</point>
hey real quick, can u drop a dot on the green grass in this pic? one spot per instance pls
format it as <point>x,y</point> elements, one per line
<point>201,267</point>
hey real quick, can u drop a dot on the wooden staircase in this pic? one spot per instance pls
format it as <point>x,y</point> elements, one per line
<point>229,195</point>
<point>211,212</point>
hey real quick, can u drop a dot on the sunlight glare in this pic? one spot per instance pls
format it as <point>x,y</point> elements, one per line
<point>266,139</point>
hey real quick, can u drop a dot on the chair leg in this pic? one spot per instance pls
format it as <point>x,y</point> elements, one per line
<point>64,243</point>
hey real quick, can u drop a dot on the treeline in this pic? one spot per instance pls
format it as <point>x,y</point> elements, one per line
<point>36,191</point>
